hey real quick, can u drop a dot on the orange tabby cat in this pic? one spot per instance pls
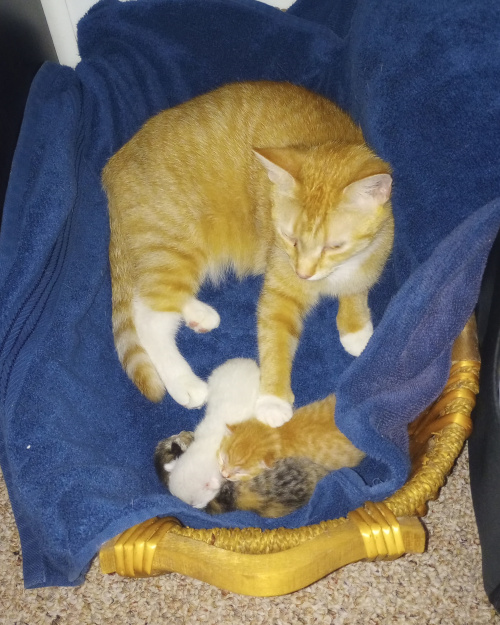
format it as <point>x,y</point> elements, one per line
<point>260,177</point>
<point>253,446</point>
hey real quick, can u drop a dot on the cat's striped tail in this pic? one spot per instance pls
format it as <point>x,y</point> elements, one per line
<point>132,355</point>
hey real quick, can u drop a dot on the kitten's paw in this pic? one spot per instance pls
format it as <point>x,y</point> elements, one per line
<point>200,317</point>
<point>273,410</point>
<point>188,390</point>
<point>355,342</point>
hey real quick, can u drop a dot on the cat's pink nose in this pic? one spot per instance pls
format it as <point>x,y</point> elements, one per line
<point>304,276</point>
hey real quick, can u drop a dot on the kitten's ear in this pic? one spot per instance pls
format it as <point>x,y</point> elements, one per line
<point>268,460</point>
<point>282,165</point>
<point>370,192</point>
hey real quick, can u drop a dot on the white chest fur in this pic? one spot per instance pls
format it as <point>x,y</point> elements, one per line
<point>358,273</point>
<point>350,276</point>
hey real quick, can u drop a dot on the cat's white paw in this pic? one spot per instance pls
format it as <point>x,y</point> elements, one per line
<point>355,342</point>
<point>188,390</point>
<point>199,316</point>
<point>273,410</point>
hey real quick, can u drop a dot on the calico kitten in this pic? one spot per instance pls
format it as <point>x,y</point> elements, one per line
<point>260,177</point>
<point>194,476</point>
<point>285,487</point>
<point>252,446</point>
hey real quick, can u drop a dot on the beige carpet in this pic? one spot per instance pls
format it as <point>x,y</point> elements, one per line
<point>442,586</point>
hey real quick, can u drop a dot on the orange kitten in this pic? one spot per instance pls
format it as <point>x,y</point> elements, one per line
<point>261,177</point>
<point>253,446</point>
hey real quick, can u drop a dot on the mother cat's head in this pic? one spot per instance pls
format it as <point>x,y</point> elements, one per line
<point>330,202</point>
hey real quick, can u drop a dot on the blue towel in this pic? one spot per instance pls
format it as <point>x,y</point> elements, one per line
<point>77,438</point>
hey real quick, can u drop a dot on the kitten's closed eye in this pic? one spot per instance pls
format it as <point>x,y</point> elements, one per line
<point>234,475</point>
<point>222,460</point>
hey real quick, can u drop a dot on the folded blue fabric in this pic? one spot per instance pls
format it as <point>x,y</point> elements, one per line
<point>77,438</point>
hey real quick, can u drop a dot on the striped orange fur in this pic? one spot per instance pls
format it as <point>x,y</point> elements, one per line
<point>261,177</point>
<point>252,446</point>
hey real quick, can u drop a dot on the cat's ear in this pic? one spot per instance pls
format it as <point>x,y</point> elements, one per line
<point>282,165</point>
<point>369,192</point>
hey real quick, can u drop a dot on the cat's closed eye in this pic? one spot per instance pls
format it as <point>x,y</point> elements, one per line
<point>335,246</point>
<point>289,238</point>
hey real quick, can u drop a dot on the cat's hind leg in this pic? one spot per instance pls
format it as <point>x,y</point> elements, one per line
<point>200,317</point>
<point>157,331</point>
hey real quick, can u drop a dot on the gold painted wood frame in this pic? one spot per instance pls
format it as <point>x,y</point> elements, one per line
<point>258,562</point>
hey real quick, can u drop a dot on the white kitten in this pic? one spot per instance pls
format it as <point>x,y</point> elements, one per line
<point>232,392</point>
<point>195,477</point>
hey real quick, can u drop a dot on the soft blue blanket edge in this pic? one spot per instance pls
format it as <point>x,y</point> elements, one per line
<point>76,437</point>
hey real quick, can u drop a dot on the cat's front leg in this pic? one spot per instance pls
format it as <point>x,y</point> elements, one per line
<point>272,410</point>
<point>354,322</point>
<point>279,328</point>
